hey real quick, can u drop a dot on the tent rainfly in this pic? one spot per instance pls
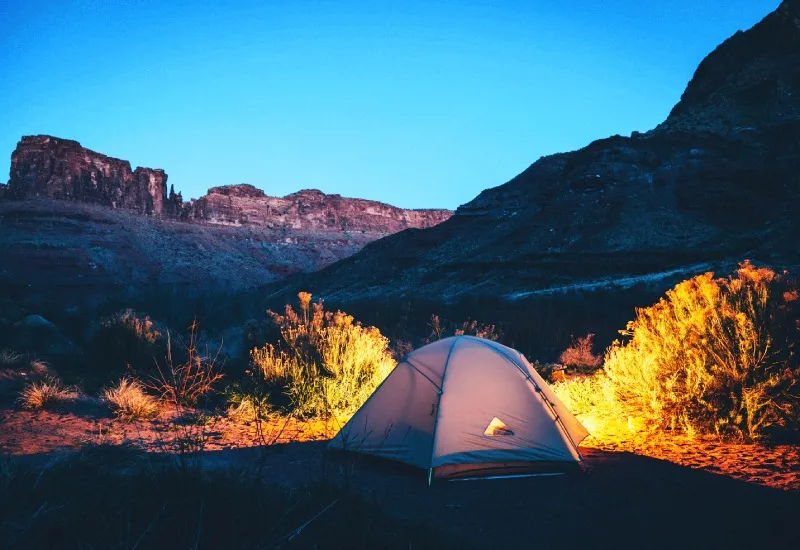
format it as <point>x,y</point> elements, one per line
<point>463,407</point>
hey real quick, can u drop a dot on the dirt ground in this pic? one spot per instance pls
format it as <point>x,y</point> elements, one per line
<point>640,494</point>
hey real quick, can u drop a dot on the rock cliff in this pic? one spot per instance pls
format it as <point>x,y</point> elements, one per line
<point>308,210</point>
<point>55,168</point>
<point>76,226</point>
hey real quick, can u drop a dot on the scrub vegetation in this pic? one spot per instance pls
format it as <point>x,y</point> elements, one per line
<point>128,400</point>
<point>715,356</point>
<point>324,363</point>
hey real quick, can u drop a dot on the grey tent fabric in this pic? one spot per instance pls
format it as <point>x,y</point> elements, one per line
<point>465,404</point>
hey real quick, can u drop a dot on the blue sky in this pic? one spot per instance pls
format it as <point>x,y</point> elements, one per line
<point>415,103</point>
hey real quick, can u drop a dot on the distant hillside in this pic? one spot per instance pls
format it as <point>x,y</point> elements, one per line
<point>715,183</point>
<point>78,225</point>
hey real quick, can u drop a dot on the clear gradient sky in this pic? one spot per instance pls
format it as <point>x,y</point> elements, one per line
<point>415,103</point>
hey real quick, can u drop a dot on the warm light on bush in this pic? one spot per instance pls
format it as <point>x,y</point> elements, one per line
<point>128,400</point>
<point>40,395</point>
<point>326,363</point>
<point>715,355</point>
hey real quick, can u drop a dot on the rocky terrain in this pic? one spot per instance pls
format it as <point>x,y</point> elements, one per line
<point>55,168</point>
<point>715,183</point>
<point>75,223</point>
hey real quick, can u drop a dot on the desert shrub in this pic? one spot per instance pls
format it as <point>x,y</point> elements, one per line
<point>443,329</point>
<point>580,354</point>
<point>128,400</point>
<point>400,348</point>
<point>472,327</point>
<point>41,369</point>
<point>128,338</point>
<point>591,398</point>
<point>46,393</point>
<point>717,354</point>
<point>183,383</point>
<point>324,363</point>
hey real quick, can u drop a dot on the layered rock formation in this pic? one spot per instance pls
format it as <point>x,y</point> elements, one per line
<point>308,210</point>
<point>76,226</point>
<point>715,183</point>
<point>55,168</point>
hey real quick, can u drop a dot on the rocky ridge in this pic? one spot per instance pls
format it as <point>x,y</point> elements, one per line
<point>715,183</point>
<point>61,169</point>
<point>78,227</point>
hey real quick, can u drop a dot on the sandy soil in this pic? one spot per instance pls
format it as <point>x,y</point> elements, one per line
<point>621,499</point>
<point>771,465</point>
<point>24,432</point>
<point>46,431</point>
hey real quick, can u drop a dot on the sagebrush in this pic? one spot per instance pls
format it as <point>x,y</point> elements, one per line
<point>716,355</point>
<point>325,363</point>
<point>580,354</point>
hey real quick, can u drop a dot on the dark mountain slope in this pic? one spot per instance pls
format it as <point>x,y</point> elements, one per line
<point>716,182</point>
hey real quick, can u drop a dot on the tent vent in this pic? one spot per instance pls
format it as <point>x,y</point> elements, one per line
<point>497,427</point>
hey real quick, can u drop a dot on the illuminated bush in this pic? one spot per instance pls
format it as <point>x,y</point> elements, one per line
<point>715,355</point>
<point>46,393</point>
<point>325,363</point>
<point>580,354</point>
<point>592,400</point>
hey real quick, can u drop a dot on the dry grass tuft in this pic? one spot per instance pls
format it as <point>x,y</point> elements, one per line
<point>129,401</point>
<point>48,392</point>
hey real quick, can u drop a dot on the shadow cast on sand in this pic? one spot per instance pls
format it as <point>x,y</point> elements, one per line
<point>620,500</point>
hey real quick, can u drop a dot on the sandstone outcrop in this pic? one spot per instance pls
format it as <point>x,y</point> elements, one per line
<point>307,210</point>
<point>55,168</point>
<point>78,226</point>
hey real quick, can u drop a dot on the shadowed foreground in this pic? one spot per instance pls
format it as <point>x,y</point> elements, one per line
<point>254,498</point>
<point>622,501</point>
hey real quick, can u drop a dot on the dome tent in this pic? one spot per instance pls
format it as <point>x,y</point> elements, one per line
<point>465,406</point>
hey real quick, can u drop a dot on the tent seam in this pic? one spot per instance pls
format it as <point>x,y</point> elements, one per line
<point>413,366</point>
<point>439,402</point>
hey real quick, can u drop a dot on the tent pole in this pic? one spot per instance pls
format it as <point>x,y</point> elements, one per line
<point>439,402</point>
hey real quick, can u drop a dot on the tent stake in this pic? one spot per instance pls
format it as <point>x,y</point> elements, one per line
<point>430,476</point>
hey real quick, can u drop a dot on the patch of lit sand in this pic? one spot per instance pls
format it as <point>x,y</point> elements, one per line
<point>771,465</point>
<point>41,432</point>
